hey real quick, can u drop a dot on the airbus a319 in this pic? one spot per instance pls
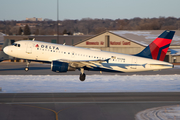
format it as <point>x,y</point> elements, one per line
<point>65,58</point>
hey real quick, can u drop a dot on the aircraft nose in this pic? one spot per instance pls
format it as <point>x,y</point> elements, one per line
<point>5,50</point>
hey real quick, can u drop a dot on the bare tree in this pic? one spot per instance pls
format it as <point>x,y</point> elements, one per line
<point>27,30</point>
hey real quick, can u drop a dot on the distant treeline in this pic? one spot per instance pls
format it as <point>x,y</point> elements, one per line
<point>89,26</point>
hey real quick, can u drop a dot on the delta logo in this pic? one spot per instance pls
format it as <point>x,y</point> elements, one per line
<point>36,45</point>
<point>47,47</point>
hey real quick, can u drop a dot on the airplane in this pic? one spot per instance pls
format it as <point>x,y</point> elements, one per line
<point>65,58</point>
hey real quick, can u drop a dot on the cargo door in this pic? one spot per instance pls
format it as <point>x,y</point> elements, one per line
<point>134,63</point>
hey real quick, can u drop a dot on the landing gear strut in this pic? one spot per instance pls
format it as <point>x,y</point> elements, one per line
<point>82,76</point>
<point>27,67</point>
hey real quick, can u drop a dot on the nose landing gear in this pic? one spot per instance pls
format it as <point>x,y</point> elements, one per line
<point>27,68</point>
<point>82,76</point>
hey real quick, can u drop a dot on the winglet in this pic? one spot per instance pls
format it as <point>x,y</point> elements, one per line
<point>158,48</point>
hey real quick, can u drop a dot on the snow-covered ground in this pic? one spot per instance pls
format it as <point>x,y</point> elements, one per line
<point>160,113</point>
<point>93,83</point>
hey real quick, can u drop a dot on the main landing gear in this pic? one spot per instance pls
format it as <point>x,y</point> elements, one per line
<point>27,67</point>
<point>82,76</point>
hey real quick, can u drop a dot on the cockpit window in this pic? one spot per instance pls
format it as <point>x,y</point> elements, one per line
<point>17,45</point>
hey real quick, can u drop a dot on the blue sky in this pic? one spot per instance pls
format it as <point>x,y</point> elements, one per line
<point>78,9</point>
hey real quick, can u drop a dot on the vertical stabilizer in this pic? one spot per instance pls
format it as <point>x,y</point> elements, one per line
<point>158,48</point>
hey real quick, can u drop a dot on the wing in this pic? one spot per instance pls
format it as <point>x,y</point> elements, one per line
<point>85,63</point>
<point>98,63</point>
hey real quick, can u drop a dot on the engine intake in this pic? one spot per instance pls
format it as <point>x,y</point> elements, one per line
<point>57,66</point>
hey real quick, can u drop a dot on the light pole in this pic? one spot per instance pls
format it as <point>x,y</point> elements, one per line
<point>57,21</point>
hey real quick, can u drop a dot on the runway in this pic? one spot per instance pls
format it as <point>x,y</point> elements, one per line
<point>12,68</point>
<point>90,97</point>
<point>81,106</point>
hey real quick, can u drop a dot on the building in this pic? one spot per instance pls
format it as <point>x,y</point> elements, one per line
<point>130,42</point>
<point>1,39</point>
<point>61,39</point>
<point>34,19</point>
<point>24,24</point>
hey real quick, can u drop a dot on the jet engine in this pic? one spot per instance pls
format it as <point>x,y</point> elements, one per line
<point>57,66</point>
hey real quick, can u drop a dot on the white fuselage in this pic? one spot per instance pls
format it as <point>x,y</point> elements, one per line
<point>43,51</point>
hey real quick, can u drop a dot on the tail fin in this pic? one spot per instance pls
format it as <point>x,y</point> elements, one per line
<point>158,48</point>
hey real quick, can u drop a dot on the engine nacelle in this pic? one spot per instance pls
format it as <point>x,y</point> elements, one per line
<point>57,66</point>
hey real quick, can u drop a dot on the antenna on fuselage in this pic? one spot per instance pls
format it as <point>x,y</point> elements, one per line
<point>64,43</point>
<point>33,39</point>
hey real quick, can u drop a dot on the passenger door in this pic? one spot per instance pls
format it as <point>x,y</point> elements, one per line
<point>29,48</point>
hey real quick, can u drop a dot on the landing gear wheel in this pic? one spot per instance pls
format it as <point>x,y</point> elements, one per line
<point>82,77</point>
<point>26,69</point>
